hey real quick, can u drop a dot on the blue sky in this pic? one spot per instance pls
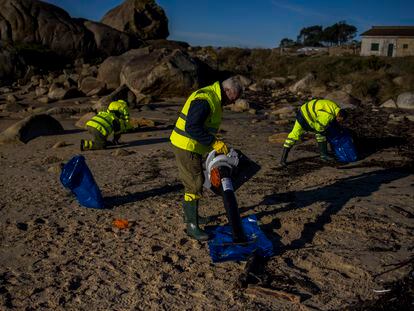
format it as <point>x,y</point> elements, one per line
<point>256,23</point>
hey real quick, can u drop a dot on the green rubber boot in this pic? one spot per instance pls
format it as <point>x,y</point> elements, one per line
<point>201,220</point>
<point>191,214</point>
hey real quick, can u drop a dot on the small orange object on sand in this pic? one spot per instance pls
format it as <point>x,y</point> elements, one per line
<point>120,223</point>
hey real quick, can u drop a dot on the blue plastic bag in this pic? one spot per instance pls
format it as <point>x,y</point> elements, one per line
<point>78,178</point>
<point>221,248</point>
<point>341,143</point>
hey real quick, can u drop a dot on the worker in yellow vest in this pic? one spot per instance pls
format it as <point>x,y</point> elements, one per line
<point>193,137</point>
<point>314,116</point>
<point>114,120</point>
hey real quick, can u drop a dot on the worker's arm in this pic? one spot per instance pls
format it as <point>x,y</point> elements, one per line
<point>294,135</point>
<point>197,115</point>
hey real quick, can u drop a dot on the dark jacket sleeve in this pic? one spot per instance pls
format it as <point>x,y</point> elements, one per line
<point>196,118</point>
<point>116,126</point>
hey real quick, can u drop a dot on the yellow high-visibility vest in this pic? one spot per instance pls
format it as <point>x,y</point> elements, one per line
<point>179,136</point>
<point>319,113</point>
<point>102,122</point>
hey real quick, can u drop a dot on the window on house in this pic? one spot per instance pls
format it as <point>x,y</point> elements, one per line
<point>374,46</point>
<point>405,46</point>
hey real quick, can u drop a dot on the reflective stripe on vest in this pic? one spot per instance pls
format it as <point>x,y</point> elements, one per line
<point>102,122</point>
<point>318,113</point>
<point>180,138</point>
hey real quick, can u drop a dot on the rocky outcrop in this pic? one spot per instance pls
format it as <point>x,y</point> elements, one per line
<point>110,69</point>
<point>159,73</point>
<point>143,18</point>
<point>110,41</point>
<point>30,128</point>
<point>9,63</point>
<point>40,23</point>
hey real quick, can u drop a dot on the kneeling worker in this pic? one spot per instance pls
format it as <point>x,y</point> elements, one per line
<point>193,137</point>
<point>314,116</point>
<point>114,120</point>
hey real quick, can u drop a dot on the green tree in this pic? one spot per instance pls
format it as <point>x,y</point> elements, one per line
<point>339,33</point>
<point>286,42</point>
<point>310,36</point>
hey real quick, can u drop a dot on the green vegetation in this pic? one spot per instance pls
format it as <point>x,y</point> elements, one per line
<point>369,76</point>
<point>336,34</point>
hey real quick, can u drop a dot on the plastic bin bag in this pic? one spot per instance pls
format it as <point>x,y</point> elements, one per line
<point>222,249</point>
<point>341,143</point>
<point>77,177</point>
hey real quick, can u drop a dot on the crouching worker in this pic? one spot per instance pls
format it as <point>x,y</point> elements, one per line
<point>193,137</point>
<point>115,120</point>
<point>314,116</point>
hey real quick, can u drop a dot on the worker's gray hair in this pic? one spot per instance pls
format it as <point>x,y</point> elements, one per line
<point>233,84</point>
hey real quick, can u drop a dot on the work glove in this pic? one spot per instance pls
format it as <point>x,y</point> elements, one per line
<point>283,160</point>
<point>220,147</point>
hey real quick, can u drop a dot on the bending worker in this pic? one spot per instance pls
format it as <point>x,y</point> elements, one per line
<point>114,120</point>
<point>314,116</point>
<point>193,137</point>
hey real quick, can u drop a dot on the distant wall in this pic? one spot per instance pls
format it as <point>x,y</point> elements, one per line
<point>405,47</point>
<point>401,46</point>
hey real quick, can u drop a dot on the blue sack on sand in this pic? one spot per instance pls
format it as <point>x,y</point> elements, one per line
<point>78,178</point>
<point>341,143</point>
<point>221,248</point>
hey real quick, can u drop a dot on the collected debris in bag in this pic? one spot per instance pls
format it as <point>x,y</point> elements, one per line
<point>222,247</point>
<point>77,177</point>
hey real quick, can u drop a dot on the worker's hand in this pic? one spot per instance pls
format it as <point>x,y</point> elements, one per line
<point>220,147</point>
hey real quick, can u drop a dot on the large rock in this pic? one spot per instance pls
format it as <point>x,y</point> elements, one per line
<point>30,128</point>
<point>110,41</point>
<point>110,70</point>
<point>162,73</point>
<point>91,86</point>
<point>37,22</point>
<point>406,100</point>
<point>143,18</point>
<point>304,84</point>
<point>121,92</point>
<point>343,99</point>
<point>57,92</point>
<point>11,65</point>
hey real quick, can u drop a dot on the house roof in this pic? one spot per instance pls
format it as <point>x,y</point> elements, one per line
<point>384,31</point>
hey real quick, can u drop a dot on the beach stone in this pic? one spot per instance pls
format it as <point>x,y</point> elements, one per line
<point>303,84</point>
<point>278,138</point>
<point>30,128</point>
<point>389,104</point>
<point>343,99</point>
<point>406,100</point>
<point>121,152</point>
<point>240,105</point>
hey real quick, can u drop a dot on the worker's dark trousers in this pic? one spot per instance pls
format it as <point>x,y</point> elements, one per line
<point>190,170</point>
<point>98,140</point>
